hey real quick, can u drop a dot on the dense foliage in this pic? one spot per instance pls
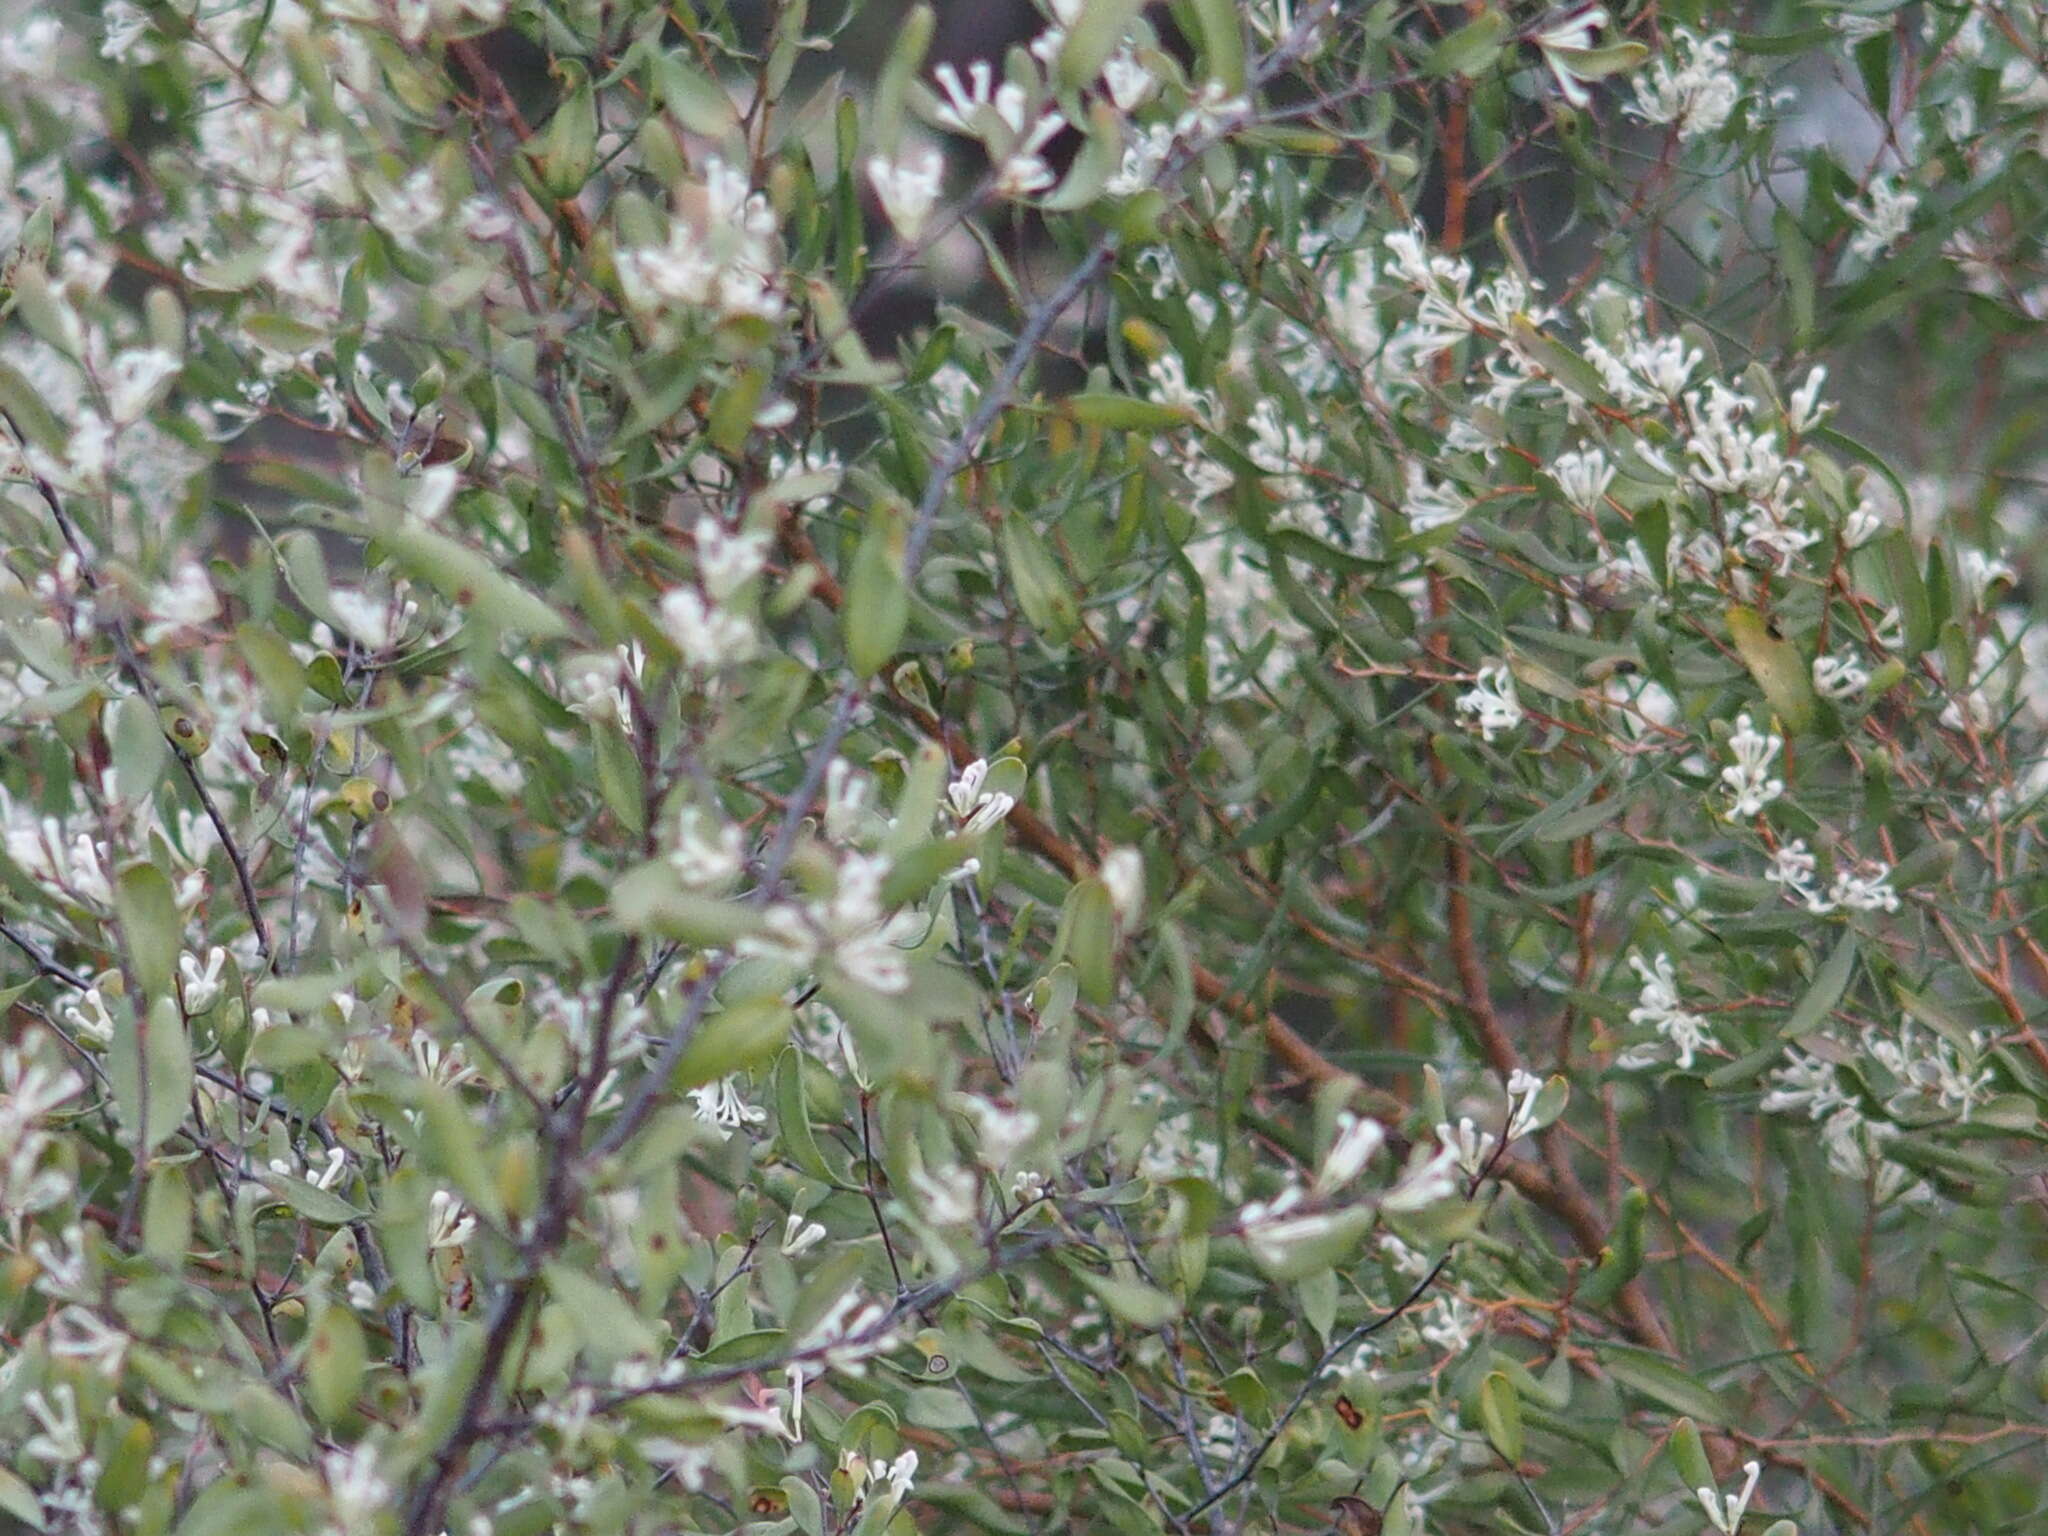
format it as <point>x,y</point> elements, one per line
<point>1261,767</point>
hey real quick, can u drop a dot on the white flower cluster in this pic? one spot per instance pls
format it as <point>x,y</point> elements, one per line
<point>720,257</point>
<point>1658,1006</point>
<point>1866,888</point>
<point>1694,90</point>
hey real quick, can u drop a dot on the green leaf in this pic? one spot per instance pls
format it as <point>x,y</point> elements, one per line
<point>793,1131</point>
<point>23,403</point>
<point>568,146</point>
<point>1124,413</point>
<point>618,776</point>
<point>1780,671</point>
<point>1093,38</point>
<point>140,750</point>
<point>1825,990</point>
<point>167,1215</point>
<point>151,930</point>
<point>319,1206</point>
<point>652,899</point>
<point>1470,50</point>
<point>20,1501</point>
<point>1599,63</point>
<point>609,1328</point>
<point>1622,1258</point>
<point>1042,588</point>
<point>1132,1301</point>
<point>336,1358</point>
<point>471,581</point>
<point>150,1065</point>
<point>877,601</point>
<point>1090,924</point>
<point>1689,1455</point>
<point>735,1040</point>
<point>1220,29</point>
<point>1500,1415</point>
<point>1661,1380</point>
<point>699,103</point>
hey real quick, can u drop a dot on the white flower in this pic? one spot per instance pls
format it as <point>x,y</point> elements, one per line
<point>1725,1515</point>
<point>1003,1130</point>
<point>1793,867</point>
<point>1863,892</point>
<point>1882,219</point>
<point>1357,1139</point>
<point>1467,1143</point>
<point>1698,95</point>
<point>1583,476</point>
<point>89,1018</point>
<point>1524,1088</point>
<point>1023,171</point>
<point>975,808</point>
<point>1806,410</point>
<point>1429,503</point>
<point>966,99</point>
<point>709,637</point>
<point>1573,33</point>
<point>1427,1181</point>
<point>720,1106</point>
<point>137,380</point>
<point>1130,83</point>
<point>1273,1232</point>
<point>1804,1083</point>
<point>907,187</point>
<point>728,561</point>
<point>449,1224</point>
<point>707,853</point>
<point>1452,1325</point>
<point>1748,777</point>
<point>1492,701</point>
<point>798,1234</point>
<point>1838,677</point>
<point>60,1440</point>
<point>1123,872</point>
<point>126,25</point>
<point>202,987</point>
<point>1658,1006</point>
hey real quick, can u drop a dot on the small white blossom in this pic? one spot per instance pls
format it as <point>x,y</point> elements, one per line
<point>1806,410</point>
<point>201,988</point>
<point>1572,33</point>
<point>710,638</point>
<point>1358,1138</point>
<point>1129,82</point>
<point>1694,90</point>
<point>1491,701</point>
<point>449,1223</point>
<point>728,561</point>
<point>1583,476</point>
<point>720,1106</point>
<point>1123,872</point>
<point>708,854</point>
<point>1470,1145</point>
<point>907,187</point>
<point>1658,1006</point>
<point>1882,219</point>
<point>798,1234</point>
<point>975,808</point>
<point>1748,778</point>
<point>1725,1515</point>
<point>1838,677</point>
<point>1429,503</point>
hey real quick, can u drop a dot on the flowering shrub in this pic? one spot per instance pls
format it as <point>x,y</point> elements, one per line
<point>1354,840</point>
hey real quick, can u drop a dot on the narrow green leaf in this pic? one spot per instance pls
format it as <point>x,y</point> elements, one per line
<point>1500,1415</point>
